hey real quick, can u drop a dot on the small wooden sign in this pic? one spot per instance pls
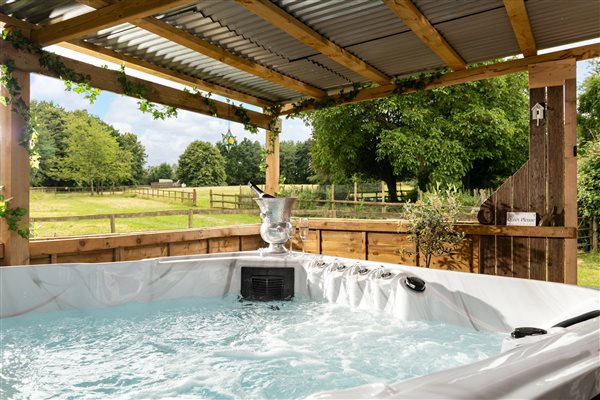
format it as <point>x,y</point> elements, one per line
<point>521,218</point>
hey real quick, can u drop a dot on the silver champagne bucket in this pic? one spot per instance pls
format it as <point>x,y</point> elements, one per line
<point>275,228</point>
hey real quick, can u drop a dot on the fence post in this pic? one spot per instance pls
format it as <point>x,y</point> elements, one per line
<point>594,234</point>
<point>194,198</point>
<point>210,198</point>
<point>190,218</point>
<point>333,200</point>
<point>113,227</point>
<point>355,196</point>
<point>382,196</point>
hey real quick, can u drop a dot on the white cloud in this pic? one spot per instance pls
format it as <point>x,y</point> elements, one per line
<point>50,89</point>
<point>166,140</point>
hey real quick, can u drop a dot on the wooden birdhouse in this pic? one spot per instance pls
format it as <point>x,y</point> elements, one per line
<point>537,113</point>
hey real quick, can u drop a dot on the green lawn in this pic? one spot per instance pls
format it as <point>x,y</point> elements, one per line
<point>71,204</point>
<point>588,269</point>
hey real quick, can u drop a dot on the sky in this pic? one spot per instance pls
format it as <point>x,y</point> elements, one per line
<point>166,140</point>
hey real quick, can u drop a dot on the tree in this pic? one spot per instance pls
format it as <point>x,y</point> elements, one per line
<point>345,144</point>
<point>130,143</point>
<point>93,156</point>
<point>242,162</point>
<point>295,161</point>
<point>473,134</point>
<point>588,179</point>
<point>49,121</point>
<point>162,171</point>
<point>201,164</point>
<point>588,117</point>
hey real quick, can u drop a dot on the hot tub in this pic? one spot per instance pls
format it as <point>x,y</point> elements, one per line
<point>548,334</point>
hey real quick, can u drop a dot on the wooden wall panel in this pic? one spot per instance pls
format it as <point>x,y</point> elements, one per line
<point>459,260</point>
<point>313,243</point>
<point>520,203</point>
<point>487,255</point>
<point>344,244</point>
<point>391,247</point>
<point>504,244</point>
<point>224,245</point>
<point>537,184</point>
<point>255,242</point>
<point>141,252</point>
<point>87,257</point>
<point>185,248</point>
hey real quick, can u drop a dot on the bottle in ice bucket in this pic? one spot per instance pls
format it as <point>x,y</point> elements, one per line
<point>259,193</point>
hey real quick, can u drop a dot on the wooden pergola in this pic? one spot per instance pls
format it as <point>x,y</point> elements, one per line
<point>285,55</point>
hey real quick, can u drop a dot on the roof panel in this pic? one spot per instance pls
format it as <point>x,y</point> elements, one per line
<point>478,29</point>
<point>563,22</point>
<point>481,37</point>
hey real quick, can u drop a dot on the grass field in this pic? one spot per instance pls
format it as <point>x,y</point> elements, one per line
<point>71,204</point>
<point>588,269</point>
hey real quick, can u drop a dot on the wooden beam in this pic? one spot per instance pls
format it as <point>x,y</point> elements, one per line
<point>473,74</point>
<point>105,17</point>
<point>202,46</point>
<point>420,25</point>
<point>14,169</point>
<point>102,53</point>
<point>272,161</point>
<point>276,16</point>
<point>519,19</point>
<point>571,177</point>
<point>162,72</point>
<point>208,49</point>
<point>105,79</point>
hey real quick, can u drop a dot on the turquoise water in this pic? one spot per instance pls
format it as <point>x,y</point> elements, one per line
<point>222,349</point>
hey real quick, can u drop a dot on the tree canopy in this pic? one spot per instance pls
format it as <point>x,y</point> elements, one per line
<point>57,127</point>
<point>474,134</point>
<point>201,164</point>
<point>295,161</point>
<point>93,156</point>
<point>161,171</point>
<point>588,117</point>
<point>242,162</point>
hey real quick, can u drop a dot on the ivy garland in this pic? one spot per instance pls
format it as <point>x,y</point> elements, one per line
<point>13,216</point>
<point>210,103</point>
<point>139,91</point>
<point>416,83</point>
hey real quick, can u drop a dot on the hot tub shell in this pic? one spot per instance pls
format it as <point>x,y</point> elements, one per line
<point>564,363</point>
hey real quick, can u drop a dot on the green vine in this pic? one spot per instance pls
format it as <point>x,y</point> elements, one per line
<point>13,216</point>
<point>242,114</point>
<point>139,91</point>
<point>325,102</point>
<point>210,103</point>
<point>415,83</point>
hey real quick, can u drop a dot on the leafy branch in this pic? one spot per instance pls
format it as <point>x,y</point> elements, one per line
<point>13,216</point>
<point>139,91</point>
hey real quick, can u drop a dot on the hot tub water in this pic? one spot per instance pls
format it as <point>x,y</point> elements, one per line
<point>223,348</point>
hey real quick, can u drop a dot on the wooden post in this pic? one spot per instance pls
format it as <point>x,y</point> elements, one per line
<point>355,196</point>
<point>382,196</point>
<point>194,197</point>
<point>594,234</point>
<point>113,225</point>
<point>272,160</point>
<point>570,180</point>
<point>14,170</point>
<point>190,218</point>
<point>210,198</point>
<point>333,214</point>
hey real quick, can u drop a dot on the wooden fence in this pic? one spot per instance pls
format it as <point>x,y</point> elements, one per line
<point>587,234</point>
<point>168,194</point>
<point>111,218</point>
<point>375,240</point>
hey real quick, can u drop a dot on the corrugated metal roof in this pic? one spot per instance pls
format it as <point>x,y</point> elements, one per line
<point>563,22</point>
<point>479,30</point>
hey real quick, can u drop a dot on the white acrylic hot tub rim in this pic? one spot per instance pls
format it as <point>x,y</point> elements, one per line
<point>562,364</point>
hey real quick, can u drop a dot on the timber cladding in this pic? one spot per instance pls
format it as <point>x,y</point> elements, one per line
<point>375,240</point>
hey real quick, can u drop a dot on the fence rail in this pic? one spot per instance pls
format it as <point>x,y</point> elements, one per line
<point>169,194</point>
<point>113,217</point>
